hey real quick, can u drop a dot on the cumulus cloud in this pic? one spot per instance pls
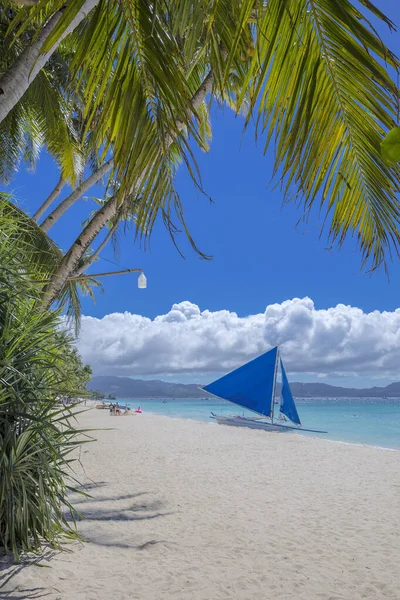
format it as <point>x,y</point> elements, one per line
<point>342,340</point>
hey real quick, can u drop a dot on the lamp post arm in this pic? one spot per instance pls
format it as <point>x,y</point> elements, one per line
<point>93,275</point>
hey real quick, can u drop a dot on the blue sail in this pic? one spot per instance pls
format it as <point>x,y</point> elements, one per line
<point>288,407</point>
<point>250,386</point>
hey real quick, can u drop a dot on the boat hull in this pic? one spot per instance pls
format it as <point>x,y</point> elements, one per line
<point>250,424</point>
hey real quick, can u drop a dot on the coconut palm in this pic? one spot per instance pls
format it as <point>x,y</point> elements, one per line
<point>41,258</point>
<point>90,158</point>
<point>316,77</point>
<point>42,117</point>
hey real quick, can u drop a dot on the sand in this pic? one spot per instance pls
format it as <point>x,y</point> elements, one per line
<point>186,510</point>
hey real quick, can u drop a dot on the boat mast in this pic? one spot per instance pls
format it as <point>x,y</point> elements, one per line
<point>274,384</point>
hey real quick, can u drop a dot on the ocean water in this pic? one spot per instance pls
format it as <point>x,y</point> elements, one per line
<point>371,421</point>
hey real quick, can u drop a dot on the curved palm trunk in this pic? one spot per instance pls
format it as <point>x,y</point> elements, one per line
<point>17,79</point>
<point>49,200</point>
<point>77,250</point>
<point>75,195</point>
<point>101,218</point>
<point>95,254</point>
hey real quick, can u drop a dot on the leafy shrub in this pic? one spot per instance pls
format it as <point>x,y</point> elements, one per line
<point>38,366</point>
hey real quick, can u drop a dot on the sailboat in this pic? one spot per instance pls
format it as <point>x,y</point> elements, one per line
<point>253,386</point>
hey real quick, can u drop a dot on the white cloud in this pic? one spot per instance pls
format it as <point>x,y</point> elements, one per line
<point>340,340</point>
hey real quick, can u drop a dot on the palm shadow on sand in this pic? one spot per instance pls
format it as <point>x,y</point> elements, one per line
<point>24,593</point>
<point>133,512</point>
<point>92,511</point>
<point>9,569</point>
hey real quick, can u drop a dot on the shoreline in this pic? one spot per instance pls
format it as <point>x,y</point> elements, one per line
<point>362,423</point>
<point>295,433</point>
<point>298,433</point>
<point>181,511</point>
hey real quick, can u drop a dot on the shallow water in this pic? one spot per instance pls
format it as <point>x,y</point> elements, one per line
<point>371,421</point>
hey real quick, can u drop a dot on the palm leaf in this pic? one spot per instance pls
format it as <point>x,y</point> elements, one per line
<point>320,89</point>
<point>43,115</point>
<point>43,258</point>
<point>313,71</point>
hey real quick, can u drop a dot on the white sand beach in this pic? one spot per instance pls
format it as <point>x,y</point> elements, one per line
<point>186,510</point>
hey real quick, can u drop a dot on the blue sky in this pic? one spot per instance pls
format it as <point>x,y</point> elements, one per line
<point>260,256</point>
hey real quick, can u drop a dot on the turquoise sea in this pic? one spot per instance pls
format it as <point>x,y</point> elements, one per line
<point>371,421</point>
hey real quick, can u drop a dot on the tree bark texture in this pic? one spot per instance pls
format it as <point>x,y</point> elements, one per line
<point>58,212</point>
<point>49,200</point>
<point>17,79</point>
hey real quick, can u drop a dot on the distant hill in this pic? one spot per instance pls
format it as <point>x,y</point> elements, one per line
<point>323,390</point>
<point>125,387</point>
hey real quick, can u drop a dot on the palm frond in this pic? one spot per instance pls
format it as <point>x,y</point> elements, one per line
<point>314,72</point>
<point>42,258</point>
<point>320,89</point>
<point>43,115</point>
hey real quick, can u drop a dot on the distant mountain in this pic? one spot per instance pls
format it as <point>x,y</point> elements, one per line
<point>125,387</point>
<point>323,390</point>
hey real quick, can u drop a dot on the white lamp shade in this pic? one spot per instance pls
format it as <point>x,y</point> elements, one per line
<point>142,281</point>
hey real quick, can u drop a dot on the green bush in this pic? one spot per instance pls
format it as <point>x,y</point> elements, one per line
<point>38,367</point>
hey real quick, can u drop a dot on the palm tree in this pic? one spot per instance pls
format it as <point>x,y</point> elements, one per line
<point>19,76</point>
<point>41,257</point>
<point>91,160</point>
<point>315,75</point>
<point>83,187</point>
<point>41,118</point>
